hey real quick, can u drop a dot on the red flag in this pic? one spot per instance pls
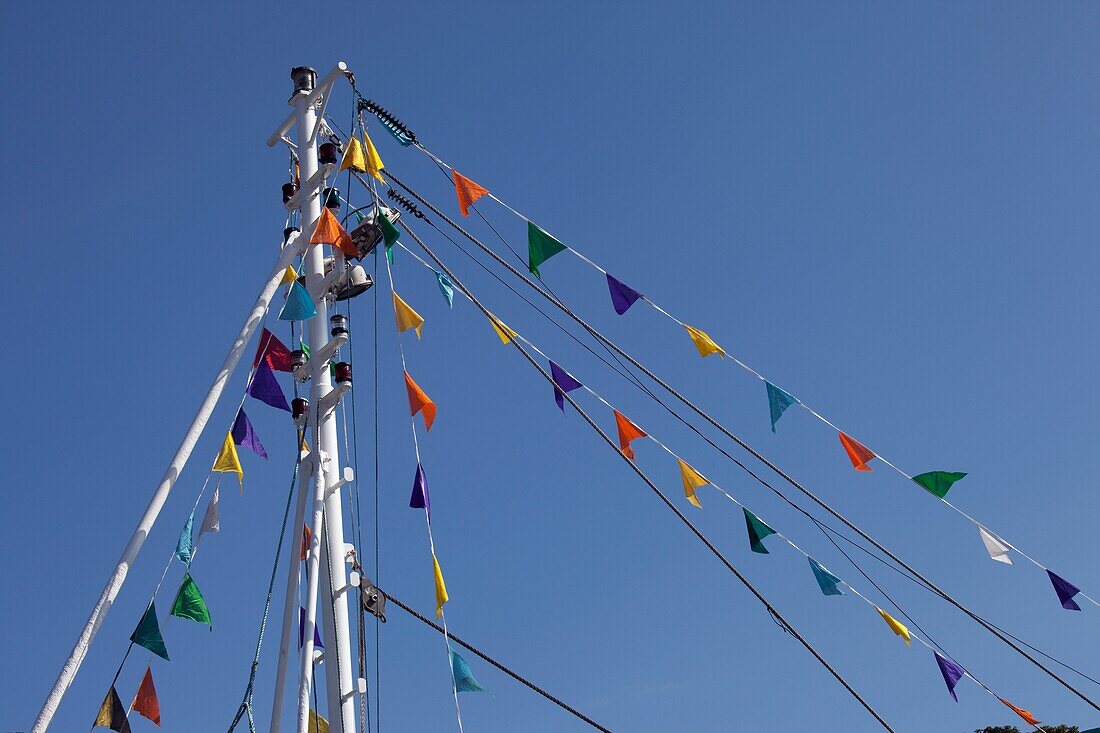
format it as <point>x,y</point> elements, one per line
<point>277,354</point>
<point>1025,714</point>
<point>857,452</point>
<point>329,231</point>
<point>468,191</point>
<point>307,536</point>
<point>145,702</point>
<point>628,431</point>
<point>419,402</point>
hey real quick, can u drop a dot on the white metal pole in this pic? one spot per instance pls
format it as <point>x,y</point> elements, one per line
<point>118,576</point>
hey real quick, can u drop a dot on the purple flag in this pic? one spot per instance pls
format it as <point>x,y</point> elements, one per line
<point>622,296</point>
<point>562,383</point>
<point>420,498</point>
<point>302,631</point>
<point>243,434</point>
<point>1066,591</point>
<point>265,387</point>
<point>951,672</point>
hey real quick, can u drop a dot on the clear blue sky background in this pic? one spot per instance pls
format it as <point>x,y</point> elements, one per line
<point>888,209</point>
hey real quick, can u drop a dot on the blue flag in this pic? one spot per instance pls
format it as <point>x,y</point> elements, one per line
<point>185,545</point>
<point>299,306</point>
<point>463,678</point>
<point>778,401</point>
<point>446,287</point>
<point>825,580</point>
<point>265,387</point>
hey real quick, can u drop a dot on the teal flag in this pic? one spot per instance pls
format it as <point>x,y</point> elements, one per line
<point>190,603</point>
<point>185,545</point>
<point>389,232</point>
<point>540,247</point>
<point>446,287</point>
<point>463,678</point>
<point>826,580</point>
<point>147,633</point>
<point>778,401</point>
<point>939,482</point>
<point>757,532</point>
<point>299,306</point>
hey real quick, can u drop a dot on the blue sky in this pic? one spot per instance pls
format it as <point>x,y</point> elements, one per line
<point>883,207</point>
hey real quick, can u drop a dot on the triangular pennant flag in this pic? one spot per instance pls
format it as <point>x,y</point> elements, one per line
<point>185,545</point>
<point>265,388</point>
<point>1024,714</point>
<point>244,435</point>
<point>316,723</point>
<point>145,702</point>
<point>307,540</point>
<point>420,498</point>
<point>622,296</point>
<point>997,549</point>
<point>212,521</point>
<point>227,460</point>
<point>406,317</point>
<point>273,350</point>
<point>289,275</point>
<point>628,431</point>
<point>758,530</point>
<point>317,644</point>
<point>390,234</point>
<point>858,454</point>
<point>441,596</point>
<point>190,603</point>
<point>353,157</point>
<point>374,162</point>
<point>704,343</point>
<point>305,348</point>
<point>692,480</point>
<point>298,306</point>
<point>563,382</point>
<point>464,680</point>
<point>541,246</point>
<point>896,626</point>
<point>506,334</point>
<point>468,191</point>
<point>778,401</point>
<point>1065,590</point>
<point>329,231</point>
<point>951,672</point>
<point>147,633</point>
<point>419,402</point>
<point>939,482</point>
<point>446,287</point>
<point>829,583</point>
<point>111,713</point>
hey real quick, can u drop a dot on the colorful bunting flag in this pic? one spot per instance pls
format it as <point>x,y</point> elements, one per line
<point>227,460</point>
<point>212,521</point>
<point>563,382</point>
<point>316,723</point>
<point>307,540</point>
<point>273,350</point>
<point>353,157</point>
<point>506,334</point>
<point>758,530</point>
<point>468,192</point>
<point>329,231</point>
<point>622,296</point>
<point>1025,714</point>
<point>704,343</point>
<point>778,401</point>
<point>692,480</point>
<point>145,702</point>
<point>829,583</point>
<point>1065,590</point>
<point>244,435</point>
<point>189,602</point>
<point>896,626</point>
<point>419,402</point>
<point>541,246</point>
<point>939,482</point>
<point>440,587</point>
<point>858,454</point>
<point>374,162</point>
<point>298,306</point>
<point>289,275</point>
<point>420,498</point>
<point>265,388</point>
<point>628,431</point>
<point>951,672</point>
<point>317,644</point>
<point>390,234</point>
<point>997,549</point>
<point>463,678</point>
<point>185,545</point>
<point>406,317</point>
<point>111,713</point>
<point>147,633</point>
<point>446,287</point>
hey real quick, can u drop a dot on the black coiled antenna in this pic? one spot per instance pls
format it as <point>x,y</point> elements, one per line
<point>406,204</point>
<point>396,127</point>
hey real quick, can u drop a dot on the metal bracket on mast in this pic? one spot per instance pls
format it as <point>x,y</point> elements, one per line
<point>322,355</point>
<point>348,477</point>
<point>320,91</point>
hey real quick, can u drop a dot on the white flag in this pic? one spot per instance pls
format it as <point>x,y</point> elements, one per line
<point>211,522</point>
<point>997,549</point>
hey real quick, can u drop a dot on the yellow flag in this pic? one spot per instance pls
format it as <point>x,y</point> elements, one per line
<point>896,626</point>
<point>227,459</point>
<point>374,163</point>
<point>289,275</point>
<point>353,157</point>
<point>316,723</point>
<point>406,317</point>
<point>506,334</point>
<point>440,588</point>
<point>704,343</point>
<point>692,480</point>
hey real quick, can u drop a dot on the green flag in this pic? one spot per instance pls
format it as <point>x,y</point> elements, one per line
<point>938,482</point>
<point>540,247</point>
<point>757,532</point>
<point>147,633</point>
<point>389,231</point>
<point>189,602</point>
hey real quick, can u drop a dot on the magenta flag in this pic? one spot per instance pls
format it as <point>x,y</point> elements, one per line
<point>265,387</point>
<point>244,435</point>
<point>563,382</point>
<point>622,296</point>
<point>420,498</point>
<point>1066,591</point>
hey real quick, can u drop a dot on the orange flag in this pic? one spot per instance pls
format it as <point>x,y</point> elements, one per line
<point>419,402</point>
<point>857,452</point>
<point>1025,714</point>
<point>468,191</point>
<point>307,540</point>
<point>145,702</point>
<point>628,431</point>
<point>329,231</point>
